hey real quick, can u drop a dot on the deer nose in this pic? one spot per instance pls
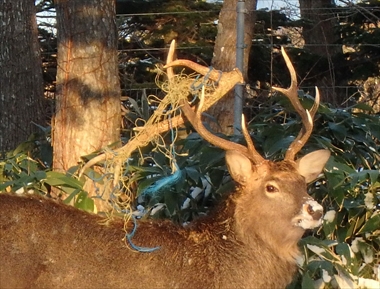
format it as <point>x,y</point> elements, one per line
<point>314,209</point>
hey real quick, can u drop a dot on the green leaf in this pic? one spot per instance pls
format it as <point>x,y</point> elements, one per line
<point>318,242</point>
<point>136,107</point>
<point>146,170</point>
<point>344,250</point>
<point>373,175</point>
<point>355,223</point>
<point>171,201</point>
<point>374,129</point>
<point>6,184</point>
<point>145,105</point>
<point>362,106</point>
<point>307,281</point>
<point>350,203</point>
<point>272,148</point>
<point>193,173</point>
<point>371,225</point>
<point>40,175</point>
<point>95,176</point>
<point>359,177</point>
<point>315,265</point>
<point>24,147</point>
<point>71,196</point>
<point>71,171</point>
<point>60,179</point>
<point>322,252</point>
<point>83,202</point>
<point>210,157</point>
<point>24,180</point>
<point>337,165</point>
<point>329,227</point>
<point>339,130</point>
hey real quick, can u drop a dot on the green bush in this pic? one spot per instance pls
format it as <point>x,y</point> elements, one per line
<point>27,169</point>
<point>343,252</point>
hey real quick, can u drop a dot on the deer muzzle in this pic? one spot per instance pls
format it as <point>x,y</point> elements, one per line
<point>310,215</point>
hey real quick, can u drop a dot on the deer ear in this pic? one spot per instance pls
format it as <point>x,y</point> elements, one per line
<point>312,164</point>
<point>239,166</point>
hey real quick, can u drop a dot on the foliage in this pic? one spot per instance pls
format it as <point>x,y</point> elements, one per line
<point>345,250</point>
<point>27,169</point>
<point>346,247</point>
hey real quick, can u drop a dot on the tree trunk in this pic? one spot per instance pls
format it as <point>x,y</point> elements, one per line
<point>88,91</point>
<point>225,58</point>
<point>318,33</point>
<point>21,83</point>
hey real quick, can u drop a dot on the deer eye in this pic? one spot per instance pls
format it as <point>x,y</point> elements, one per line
<point>271,189</point>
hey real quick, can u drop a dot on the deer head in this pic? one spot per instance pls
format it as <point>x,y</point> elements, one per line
<point>278,190</point>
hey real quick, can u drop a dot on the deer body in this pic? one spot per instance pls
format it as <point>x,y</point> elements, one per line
<point>48,245</point>
<point>250,241</point>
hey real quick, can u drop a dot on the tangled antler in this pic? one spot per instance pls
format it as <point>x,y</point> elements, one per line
<point>226,81</point>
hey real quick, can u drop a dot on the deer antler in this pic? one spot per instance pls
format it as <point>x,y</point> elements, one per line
<point>195,119</point>
<point>212,74</point>
<point>307,116</point>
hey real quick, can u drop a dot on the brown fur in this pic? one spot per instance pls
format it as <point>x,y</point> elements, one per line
<point>249,242</point>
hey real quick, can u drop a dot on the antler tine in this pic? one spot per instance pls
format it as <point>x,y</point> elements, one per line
<point>254,155</point>
<point>305,132</point>
<point>214,75</point>
<point>307,117</point>
<point>315,106</point>
<point>195,120</point>
<point>170,59</point>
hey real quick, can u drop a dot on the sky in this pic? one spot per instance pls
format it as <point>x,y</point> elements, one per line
<point>275,4</point>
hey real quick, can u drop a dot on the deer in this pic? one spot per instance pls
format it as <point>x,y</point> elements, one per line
<point>249,240</point>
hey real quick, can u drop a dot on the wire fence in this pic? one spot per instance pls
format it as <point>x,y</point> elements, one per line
<point>253,97</point>
<point>290,8</point>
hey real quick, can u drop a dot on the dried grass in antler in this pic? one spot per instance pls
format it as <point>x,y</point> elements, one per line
<point>223,82</point>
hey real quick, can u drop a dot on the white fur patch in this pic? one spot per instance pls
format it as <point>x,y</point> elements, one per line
<point>304,219</point>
